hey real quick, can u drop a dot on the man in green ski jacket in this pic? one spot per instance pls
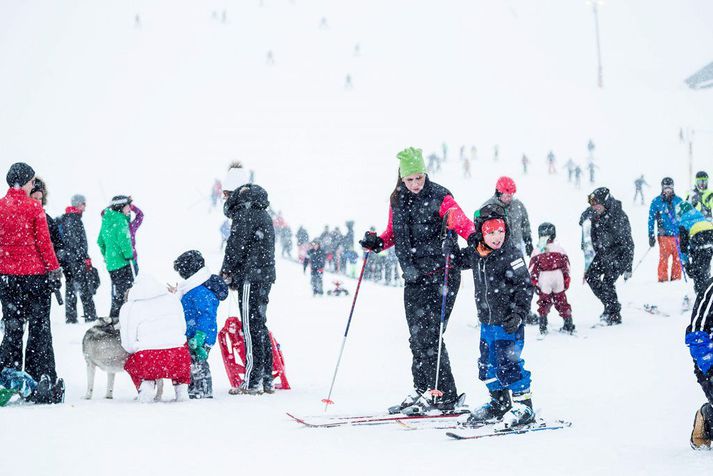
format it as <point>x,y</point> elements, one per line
<point>115,244</point>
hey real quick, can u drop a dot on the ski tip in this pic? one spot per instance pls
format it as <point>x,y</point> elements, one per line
<point>455,436</point>
<point>327,401</point>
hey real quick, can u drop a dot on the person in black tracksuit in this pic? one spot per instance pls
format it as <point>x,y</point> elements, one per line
<point>700,343</point>
<point>75,262</point>
<point>316,259</point>
<point>416,219</point>
<point>249,268</point>
<point>614,250</point>
<point>503,296</point>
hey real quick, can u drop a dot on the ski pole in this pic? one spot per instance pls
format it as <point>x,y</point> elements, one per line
<point>641,260</point>
<point>328,401</point>
<point>435,393</point>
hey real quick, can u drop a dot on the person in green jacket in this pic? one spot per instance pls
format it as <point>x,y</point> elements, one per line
<point>115,245</point>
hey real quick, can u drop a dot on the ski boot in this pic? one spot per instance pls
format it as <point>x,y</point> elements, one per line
<point>492,411</point>
<point>532,319</point>
<point>702,433</point>
<point>428,404</point>
<point>410,400</point>
<point>521,412</point>
<point>568,326</point>
<point>543,325</point>
<point>58,391</point>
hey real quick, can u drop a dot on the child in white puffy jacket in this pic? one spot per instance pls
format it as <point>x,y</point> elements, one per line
<point>153,331</point>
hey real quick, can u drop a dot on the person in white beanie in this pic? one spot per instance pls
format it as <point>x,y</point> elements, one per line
<point>153,331</point>
<point>236,177</point>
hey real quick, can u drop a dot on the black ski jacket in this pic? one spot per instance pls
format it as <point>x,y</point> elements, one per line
<point>316,259</point>
<point>502,283</point>
<point>417,228</point>
<point>611,237</point>
<point>250,250</point>
<point>74,237</point>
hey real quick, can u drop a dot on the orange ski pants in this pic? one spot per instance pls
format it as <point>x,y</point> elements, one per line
<point>668,249</point>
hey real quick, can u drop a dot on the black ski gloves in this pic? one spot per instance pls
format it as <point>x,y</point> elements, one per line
<point>372,242</point>
<point>512,323</point>
<point>652,241</point>
<point>528,248</point>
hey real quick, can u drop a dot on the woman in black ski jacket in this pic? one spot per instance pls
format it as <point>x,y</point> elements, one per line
<point>416,228</point>
<point>249,268</point>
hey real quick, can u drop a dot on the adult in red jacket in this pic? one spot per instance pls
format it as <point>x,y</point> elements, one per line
<point>27,265</point>
<point>416,218</point>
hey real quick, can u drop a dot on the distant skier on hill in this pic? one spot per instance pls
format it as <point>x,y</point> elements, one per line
<point>639,188</point>
<point>591,167</point>
<point>551,169</point>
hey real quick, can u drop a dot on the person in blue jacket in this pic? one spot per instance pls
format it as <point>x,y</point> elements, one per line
<point>200,292</point>
<point>663,212</point>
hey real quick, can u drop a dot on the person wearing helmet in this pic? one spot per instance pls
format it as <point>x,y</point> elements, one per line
<point>696,241</point>
<point>662,212</point>
<point>418,211</point>
<point>503,295</point>
<point>613,250</point>
<point>515,214</point>
<point>701,197</point>
<point>549,271</point>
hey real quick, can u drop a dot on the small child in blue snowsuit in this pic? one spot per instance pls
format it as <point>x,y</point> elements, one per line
<point>503,295</point>
<point>200,294</point>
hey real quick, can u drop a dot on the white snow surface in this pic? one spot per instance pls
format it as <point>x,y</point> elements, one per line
<point>101,105</point>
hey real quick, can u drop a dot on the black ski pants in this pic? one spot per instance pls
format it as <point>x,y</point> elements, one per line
<point>422,301</point>
<point>121,281</point>
<point>700,255</point>
<point>76,282</point>
<point>317,281</point>
<point>253,298</point>
<point>26,299</point>
<point>601,278</point>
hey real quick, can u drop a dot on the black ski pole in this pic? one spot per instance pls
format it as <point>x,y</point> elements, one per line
<point>328,401</point>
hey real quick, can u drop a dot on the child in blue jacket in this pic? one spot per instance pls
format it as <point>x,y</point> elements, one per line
<point>200,294</point>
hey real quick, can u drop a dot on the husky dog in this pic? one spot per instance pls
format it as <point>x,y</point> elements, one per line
<point>102,348</point>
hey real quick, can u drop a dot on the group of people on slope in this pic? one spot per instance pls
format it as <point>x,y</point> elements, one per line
<point>424,221</point>
<point>684,231</point>
<point>168,332</point>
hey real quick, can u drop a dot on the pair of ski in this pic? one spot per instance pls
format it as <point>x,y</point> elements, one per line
<point>413,422</point>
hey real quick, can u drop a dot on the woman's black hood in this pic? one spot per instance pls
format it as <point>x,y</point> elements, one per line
<point>248,196</point>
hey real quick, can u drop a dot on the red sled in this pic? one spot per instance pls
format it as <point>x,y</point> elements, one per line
<point>232,347</point>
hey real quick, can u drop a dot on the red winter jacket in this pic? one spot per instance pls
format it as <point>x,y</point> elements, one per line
<point>25,245</point>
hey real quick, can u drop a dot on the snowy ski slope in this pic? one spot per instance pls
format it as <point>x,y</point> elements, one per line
<point>101,104</point>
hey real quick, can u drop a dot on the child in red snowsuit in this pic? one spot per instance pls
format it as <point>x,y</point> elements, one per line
<point>549,271</point>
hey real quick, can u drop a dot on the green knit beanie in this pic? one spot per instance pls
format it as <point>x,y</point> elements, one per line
<point>411,162</point>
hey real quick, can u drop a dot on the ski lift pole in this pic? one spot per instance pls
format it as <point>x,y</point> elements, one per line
<point>328,401</point>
